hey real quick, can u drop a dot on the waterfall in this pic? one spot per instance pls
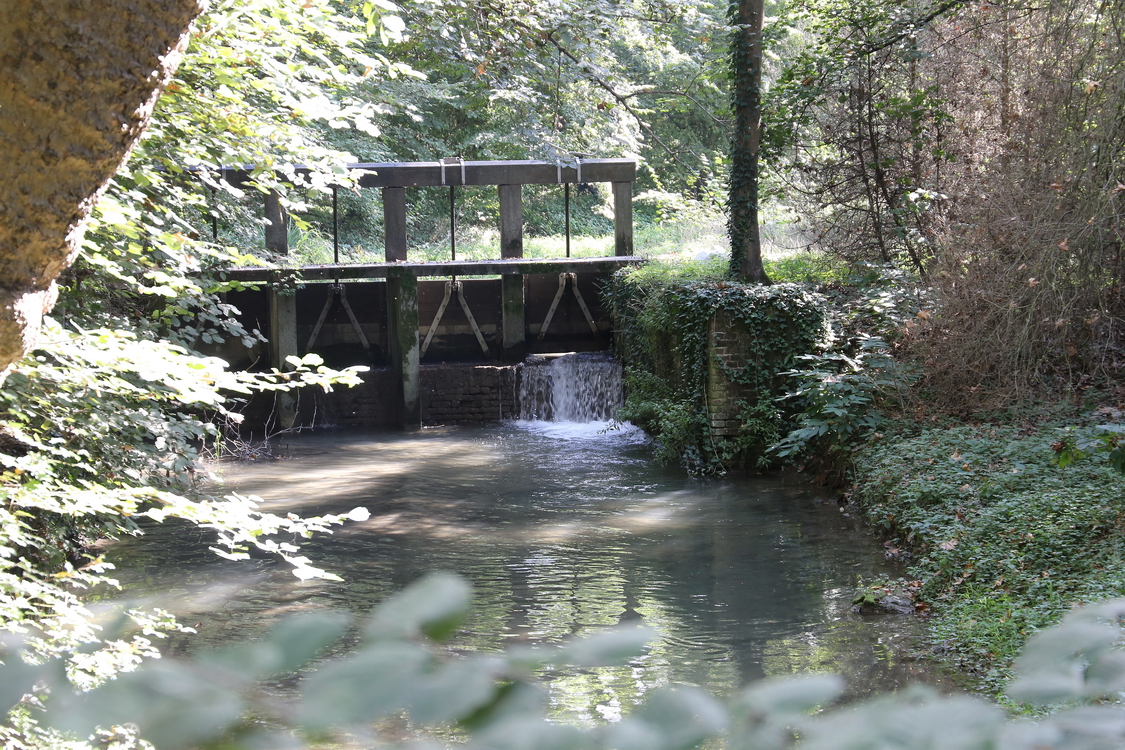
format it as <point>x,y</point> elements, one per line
<point>570,388</point>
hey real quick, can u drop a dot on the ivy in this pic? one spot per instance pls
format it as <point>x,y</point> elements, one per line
<point>664,326</point>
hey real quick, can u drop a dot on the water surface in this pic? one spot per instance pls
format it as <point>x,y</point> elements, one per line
<point>563,529</point>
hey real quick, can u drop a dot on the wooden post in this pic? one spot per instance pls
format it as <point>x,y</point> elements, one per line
<point>283,343</point>
<point>402,320</point>
<point>623,218</point>
<point>511,221</point>
<point>394,223</point>
<point>277,224</point>
<point>512,313</point>
<point>283,310</point>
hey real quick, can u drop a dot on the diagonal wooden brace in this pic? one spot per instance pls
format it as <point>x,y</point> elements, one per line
<point>582,302</point>
<point>472,320</point>
<point>554,306</point>
<point>437,318</point>
<point>334,291</point>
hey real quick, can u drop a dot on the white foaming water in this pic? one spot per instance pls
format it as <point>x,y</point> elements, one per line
<point>624,433</point>
<point>572,388</point>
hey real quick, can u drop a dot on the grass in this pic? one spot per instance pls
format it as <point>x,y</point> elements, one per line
<point>697,236</point>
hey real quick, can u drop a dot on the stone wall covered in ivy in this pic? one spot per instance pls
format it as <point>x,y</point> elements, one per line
<point>704,363</point>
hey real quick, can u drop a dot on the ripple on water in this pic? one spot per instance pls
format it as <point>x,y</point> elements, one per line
<point>563,529</point>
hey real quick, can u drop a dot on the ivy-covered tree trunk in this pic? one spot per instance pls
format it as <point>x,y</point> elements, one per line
<point>746,100</point>
<point>78,84</point>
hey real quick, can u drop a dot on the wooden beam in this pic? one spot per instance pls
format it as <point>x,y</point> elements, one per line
<point>513,317</point>
<point>283,343</point>
<point>429,174</point>
<point>394,223</point>
<point>501,267</point>
<point>277,224</point>
<point>403,344</point>
<point>511,221</point>
<point>622,218</point>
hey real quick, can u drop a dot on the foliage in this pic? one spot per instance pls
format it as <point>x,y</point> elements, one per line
<point>398,670</point>
<point>664,322</point>
<point>1003,539</point>
<point>518,80</point>
<point>916,134</point>
<point>100,426</point>
<point>841,397</point>
<point>1106,438</point>
<point>64,484</point>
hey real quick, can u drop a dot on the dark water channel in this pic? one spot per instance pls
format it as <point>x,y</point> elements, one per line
<point>563,530</point>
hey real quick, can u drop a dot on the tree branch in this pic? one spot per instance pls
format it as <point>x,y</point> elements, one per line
<point>621,99</point>
<point>685,95</point>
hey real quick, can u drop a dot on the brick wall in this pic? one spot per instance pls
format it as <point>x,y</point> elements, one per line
<point>454,393</point>
<point>729,348</point>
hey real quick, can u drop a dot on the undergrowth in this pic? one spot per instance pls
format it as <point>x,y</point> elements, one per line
<point>664,317</point>
<point>1004,541</point>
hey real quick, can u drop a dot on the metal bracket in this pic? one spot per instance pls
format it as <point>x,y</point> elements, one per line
<point>452,287</point>
<point>334,291</point>
<point>452,161</point>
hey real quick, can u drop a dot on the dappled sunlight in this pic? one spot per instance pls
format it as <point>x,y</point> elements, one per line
<point>564,530</point>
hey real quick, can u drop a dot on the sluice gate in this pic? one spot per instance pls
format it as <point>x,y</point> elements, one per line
<point>439,336</point>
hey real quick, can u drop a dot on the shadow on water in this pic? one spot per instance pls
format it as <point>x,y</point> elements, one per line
<point>563,529</point>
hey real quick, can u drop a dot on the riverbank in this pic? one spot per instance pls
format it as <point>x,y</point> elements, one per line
<point>999,540</point>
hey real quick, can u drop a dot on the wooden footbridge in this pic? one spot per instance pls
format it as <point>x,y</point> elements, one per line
<point>398,314</point>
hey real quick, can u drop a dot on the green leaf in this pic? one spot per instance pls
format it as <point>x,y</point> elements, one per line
<point>791,695</point>
<point>290,644</point>
<point>683,716</point>
<point>614,646</point>
<point>456,690</point>
<point>174,705</point>
<point>365,687</point>
<point>433,606</point>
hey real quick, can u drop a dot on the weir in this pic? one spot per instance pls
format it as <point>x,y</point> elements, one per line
<point>570,388</point>
<point>405,318</point>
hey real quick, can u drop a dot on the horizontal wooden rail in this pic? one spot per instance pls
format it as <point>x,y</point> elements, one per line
<point>430,174</point>
<point>501,267</point>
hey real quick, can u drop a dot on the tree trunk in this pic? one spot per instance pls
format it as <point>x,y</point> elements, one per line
<point>746,96</point>
<point>79,83</point>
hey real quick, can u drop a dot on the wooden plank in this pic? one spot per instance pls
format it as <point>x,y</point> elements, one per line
<point>623,218</point>
<point>394,223</point>
<point>402,335</point>
<point>443,268</point>
<point>513,322</point>
<point>423,174</point>
<point>511,221</point>
<point>429,174</point>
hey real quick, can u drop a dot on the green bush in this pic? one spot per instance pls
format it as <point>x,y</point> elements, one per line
<point>841,401</point>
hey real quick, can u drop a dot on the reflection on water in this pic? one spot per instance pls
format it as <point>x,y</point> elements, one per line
<point>563,529</point>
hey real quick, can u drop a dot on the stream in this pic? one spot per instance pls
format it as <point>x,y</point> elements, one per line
<point>563,528</point>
